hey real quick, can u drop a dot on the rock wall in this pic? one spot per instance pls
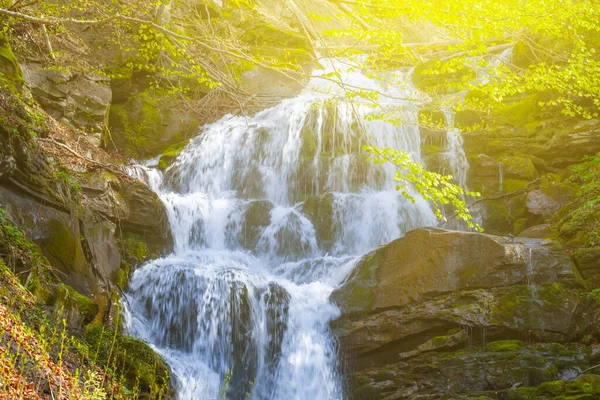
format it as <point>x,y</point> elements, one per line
<point>444,315</point>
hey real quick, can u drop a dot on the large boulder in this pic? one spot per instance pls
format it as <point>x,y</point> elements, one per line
<point>419,299</point>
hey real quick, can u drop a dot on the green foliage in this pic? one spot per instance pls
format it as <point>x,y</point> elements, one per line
<point>584,219</point>
<point>554,48</point>
<point>433,187</point>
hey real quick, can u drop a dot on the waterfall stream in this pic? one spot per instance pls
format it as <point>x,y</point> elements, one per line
<point>269,214</point>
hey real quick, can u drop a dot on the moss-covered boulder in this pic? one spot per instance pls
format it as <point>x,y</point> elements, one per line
<point>10,70</point>
<point>413,310</point>
<point>432,260</point>
<point>170,154</point>
<point>518,167</point>
<point>510,370</point>
<point>77,309</point>
<point>139,365</point>
<point>148,123</point>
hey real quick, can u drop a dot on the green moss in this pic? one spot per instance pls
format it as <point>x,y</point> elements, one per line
<point>518,167</point>
<point>131,357</point>
<point>520,225</point>
<point>522,393</point>
<point>553,295</point>
<point>357,294</point>
<point>10,70</point>
<point>170,154</point>
<point>587,384</point>
<point>73,301</point>
<point>63,248</point>
<point>439,341</point>
<point>432,149</point>
<point>513,185</point>
<point>504,345</point>
<point>134,249</point>
<point>383,375</point>
<point>552,388</point>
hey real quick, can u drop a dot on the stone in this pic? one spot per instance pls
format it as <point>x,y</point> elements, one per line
<point>445,312</point>
<point>80,99</point>
<point>429,261</point>
<point>548,201</point>
<point>542,231</point>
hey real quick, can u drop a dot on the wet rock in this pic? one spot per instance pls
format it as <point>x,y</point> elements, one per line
<point>413,310</point>
<point>319,210</point>
<point>256,218</point>
<point>430,261</point>
<point>501,370</point>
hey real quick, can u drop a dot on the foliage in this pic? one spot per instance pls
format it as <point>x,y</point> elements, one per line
<point>432,186</point>
<point>584,219</point>
<point>554,46</point>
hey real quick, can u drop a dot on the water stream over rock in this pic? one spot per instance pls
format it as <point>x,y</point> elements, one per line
<point>269,214</point>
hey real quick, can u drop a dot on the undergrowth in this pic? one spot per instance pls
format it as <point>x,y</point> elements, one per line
<point>41,357</point>
<point>583,218</point>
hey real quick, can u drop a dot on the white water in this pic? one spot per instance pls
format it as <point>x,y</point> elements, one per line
<point>246,290</point>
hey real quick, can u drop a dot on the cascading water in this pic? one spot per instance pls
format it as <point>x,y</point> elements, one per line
<point>268,215</point>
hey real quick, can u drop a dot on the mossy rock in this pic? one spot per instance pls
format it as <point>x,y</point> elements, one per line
<point>514,185</point>
<point>131,358</point>
<point>552,388</point>
<point>504,345</point>
<point>149,123</point>
<point>518,167</point>
<point>10,70</point>
<point>77,309</point>
<point>357,295</point>
<point>135,250</point>
<point>170,155</point>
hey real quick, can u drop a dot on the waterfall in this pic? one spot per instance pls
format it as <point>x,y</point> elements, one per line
<point>269,214</point>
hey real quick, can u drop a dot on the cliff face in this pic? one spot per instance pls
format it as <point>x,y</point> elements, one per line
<point>73,225</point>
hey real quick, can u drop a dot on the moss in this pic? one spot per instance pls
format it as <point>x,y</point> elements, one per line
<point>10,70</point>
<point>553,294</point>
<point>552,388</point>
<point>432,149</point>
<point>357,294</point>
<point>72,301</point>
<point>522,393</point>
<point>439,341</point>
<point>366,392</point>
<point>383,375</point>
<point>522,110</point>
<point>518,167</point>
<point>123,275</point>
<point>170,154</point>
<point>504,345</point>
<point>520,225</point>
<point>134,249</point>
<point>509,306</point>
<point>587,384</point>
<point>513,185</point>
<point>134,358</point>
<point>63,248</point>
